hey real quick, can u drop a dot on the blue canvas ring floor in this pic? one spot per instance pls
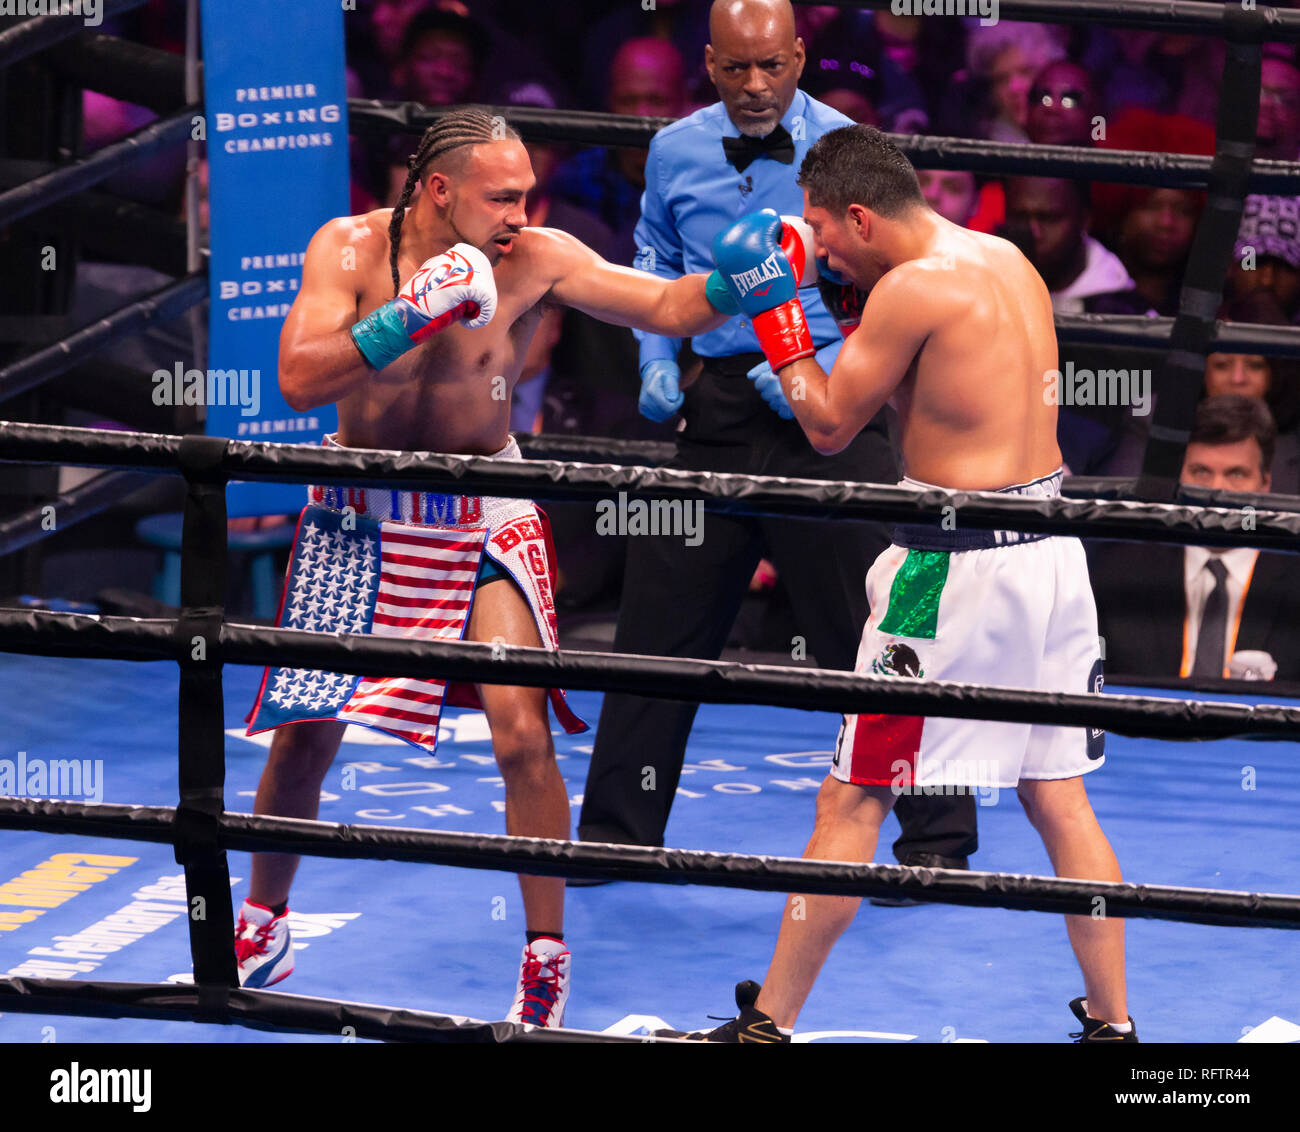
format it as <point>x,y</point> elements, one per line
<point>1213,815</point>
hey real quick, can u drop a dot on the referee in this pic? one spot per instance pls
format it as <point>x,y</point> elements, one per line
<point>703,172</point>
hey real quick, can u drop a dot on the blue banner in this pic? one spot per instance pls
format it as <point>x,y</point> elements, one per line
<point>277,141</point>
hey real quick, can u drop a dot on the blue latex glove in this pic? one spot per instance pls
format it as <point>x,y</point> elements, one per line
<point>769,385</point>
<point>769,388</point>
<point>660,396</point>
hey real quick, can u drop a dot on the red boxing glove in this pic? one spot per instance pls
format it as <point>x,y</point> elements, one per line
<point>783,332</point>
<point>844,301</point>
<point>763,258</point>
<point>784,335</point>
<point>800,249</point>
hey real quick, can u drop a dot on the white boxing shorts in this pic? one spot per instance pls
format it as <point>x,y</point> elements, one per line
<point>977,607</point>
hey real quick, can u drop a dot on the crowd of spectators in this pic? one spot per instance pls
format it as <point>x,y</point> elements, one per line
<point>1101,248</point>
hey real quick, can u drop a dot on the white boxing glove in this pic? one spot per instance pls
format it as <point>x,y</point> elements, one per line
<point>456,286</point>
<point>799,245</point>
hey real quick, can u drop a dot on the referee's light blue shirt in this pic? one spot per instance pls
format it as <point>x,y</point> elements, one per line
<point>692,192</point>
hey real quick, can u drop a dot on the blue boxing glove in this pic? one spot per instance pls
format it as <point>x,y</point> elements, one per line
<point>759,273</point>
<point>768,383</point>
<point>660,396</point>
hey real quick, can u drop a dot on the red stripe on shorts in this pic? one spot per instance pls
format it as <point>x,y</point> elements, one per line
<point>884,749</point>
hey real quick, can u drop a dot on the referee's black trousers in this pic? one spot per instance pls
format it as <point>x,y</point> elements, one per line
<point>681,600</point>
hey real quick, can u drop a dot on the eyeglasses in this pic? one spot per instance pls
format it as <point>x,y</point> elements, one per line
<point>1066,99</point>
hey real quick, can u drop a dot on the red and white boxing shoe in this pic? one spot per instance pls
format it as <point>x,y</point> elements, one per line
<point>543,984</point>
<point>262,946</point>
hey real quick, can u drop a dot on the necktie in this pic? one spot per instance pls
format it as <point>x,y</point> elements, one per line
<point>1214,625</point>
<point>778,145</point>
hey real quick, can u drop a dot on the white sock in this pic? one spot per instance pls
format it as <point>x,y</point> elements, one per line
<point>783,1030</point>
<point>1118,1027</point>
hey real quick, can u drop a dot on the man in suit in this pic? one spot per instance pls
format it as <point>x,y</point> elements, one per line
<point>703,172</point>
<point>1234,600</point>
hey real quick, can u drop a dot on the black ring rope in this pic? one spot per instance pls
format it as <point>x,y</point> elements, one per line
<point>123,69</point>
<point>540,856</point>
<point>168,302</point>
<point>595,449</point>
<point>652,453</point>
<point>118,229</point>
<point>1153,333</point>
<point>46,633</point>
<point>68,508</point>
<point>1135,331</point>
<point>727,492</point>
<point>47,363</point>
<point>19,531</point>
<point>1138,167</point>
<point>29,35</point>
<point>86,171</point>
<point>270,1010</point>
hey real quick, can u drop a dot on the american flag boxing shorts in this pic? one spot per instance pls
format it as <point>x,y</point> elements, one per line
<point>401,564</point>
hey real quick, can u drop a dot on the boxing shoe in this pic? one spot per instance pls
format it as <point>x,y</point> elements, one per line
<point>543,984</point>
<point>262,946</point>
<point>1095,1030</point>
<point>752,1026</point>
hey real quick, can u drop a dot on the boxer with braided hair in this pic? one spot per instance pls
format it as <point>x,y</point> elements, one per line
<point>469,127</point>
<point>415,322</point>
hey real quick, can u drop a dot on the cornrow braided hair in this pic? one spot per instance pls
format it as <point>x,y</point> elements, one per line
<point>470,126</point>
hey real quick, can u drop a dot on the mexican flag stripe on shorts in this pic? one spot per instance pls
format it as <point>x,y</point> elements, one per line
<point>1015,615</point>
<point>883,747</point>
<point>914,597</point>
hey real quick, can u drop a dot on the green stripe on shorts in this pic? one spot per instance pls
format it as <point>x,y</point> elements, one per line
<point>914,597</point>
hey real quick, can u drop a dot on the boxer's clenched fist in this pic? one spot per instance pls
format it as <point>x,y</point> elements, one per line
<point>763,261</point>
<point>456,286</point>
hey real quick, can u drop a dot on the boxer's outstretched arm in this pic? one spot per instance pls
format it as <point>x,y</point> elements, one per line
<point>319,362</point>
<point>833,408</point>
<point>676,308</point>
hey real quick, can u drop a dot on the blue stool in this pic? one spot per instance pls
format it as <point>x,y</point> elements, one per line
<point>164,532</point>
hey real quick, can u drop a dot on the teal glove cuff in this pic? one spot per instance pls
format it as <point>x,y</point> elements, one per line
<point>717,292</point>
<point>381,336</point>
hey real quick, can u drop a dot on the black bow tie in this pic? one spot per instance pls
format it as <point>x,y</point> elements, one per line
<point>778,145</point>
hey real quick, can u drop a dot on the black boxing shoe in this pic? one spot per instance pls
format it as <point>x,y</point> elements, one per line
<point>919,861</point>
<point>751,1027</point>
<point>1095,1030</point>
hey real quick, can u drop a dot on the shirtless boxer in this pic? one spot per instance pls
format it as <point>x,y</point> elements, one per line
<point>957,328</point>
<point>432,370</point>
